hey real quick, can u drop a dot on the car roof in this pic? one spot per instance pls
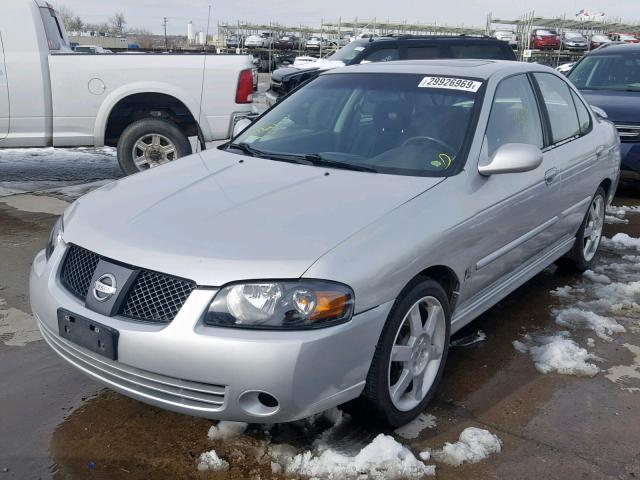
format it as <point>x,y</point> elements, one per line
<point>616,48</point>
<point>482,69</point>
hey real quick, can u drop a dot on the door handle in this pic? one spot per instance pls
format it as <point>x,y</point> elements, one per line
<point>551,175</point>
<point>600,151</point>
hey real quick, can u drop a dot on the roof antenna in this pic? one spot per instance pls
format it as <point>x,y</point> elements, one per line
<point>201,143</point>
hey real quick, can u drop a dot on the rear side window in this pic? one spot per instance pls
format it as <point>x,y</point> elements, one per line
<point>384,55</point>
<point>426,52</point>
<point>491,52</point>
<point>583,114</point>
<point>559,102</point>
<point>515,117</point>
<point>53,29</point>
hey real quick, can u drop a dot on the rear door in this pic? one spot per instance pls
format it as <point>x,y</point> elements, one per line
<point>576,153</point>
<point>4,94</point>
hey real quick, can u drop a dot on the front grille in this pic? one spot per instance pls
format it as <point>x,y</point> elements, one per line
<point>153,297</point>
<point>78,269</point>
<point>628,133</point>
<point>156,297</point>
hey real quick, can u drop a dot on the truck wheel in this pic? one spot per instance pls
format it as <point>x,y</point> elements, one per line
<point>150,142</point>
<point>410,356</point>
<point>584,250</point>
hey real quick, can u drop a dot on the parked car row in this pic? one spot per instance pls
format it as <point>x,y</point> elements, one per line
<point>384,49</point>
<point>291,41</point>
<point>550,39</point>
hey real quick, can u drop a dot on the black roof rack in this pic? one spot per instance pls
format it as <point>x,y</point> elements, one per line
<point>411,36</point>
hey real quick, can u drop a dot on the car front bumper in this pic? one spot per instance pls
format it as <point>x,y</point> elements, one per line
<point>630,153</point>
<point>217,373</point>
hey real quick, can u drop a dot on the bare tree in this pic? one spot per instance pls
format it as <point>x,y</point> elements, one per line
<point>72,22</point>
<point>117,23</point>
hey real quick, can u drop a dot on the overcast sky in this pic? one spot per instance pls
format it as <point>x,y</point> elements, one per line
<point>148,13</point>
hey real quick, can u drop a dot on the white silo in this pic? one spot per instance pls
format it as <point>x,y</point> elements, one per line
<point>191,34</point>
<point>202,38</point>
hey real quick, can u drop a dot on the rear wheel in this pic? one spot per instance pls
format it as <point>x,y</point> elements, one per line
<point>410,356</point>
<point>588,237</point>
<point>149,143</point>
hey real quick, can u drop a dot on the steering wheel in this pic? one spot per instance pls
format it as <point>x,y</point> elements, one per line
<point>423,139</point>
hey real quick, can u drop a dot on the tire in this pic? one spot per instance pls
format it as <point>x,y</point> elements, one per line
<point>385,375</point>
<point>172,144</point>
<point>581,258</point>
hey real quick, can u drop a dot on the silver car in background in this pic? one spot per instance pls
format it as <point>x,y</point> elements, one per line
<point>328,252</point>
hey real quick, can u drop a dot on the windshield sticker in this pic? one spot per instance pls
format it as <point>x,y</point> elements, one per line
<point>450,83</point>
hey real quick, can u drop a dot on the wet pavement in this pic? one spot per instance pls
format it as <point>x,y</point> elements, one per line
<point>57,423</point>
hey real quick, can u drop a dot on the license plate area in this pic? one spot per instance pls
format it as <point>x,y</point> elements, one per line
<point>89,334</point>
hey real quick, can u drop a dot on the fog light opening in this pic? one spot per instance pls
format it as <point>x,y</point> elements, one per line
<point>260,404</point>
<point>267,400</point>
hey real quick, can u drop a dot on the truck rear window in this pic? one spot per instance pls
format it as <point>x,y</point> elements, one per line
<point>54,30</point>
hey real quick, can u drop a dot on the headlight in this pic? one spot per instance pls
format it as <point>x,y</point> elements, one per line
<point>55,237</point>
<point>281,305</point>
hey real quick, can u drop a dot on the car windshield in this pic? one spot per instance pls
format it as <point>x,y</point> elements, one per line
<point>545,32</point>
<point>574,36</point>
<point>608,72</point>
<point>387,123</point>
<point>348,53</point>
<point>627,37</point>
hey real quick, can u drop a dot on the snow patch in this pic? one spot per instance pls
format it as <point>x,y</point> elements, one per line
<point>577,318</point>
<point>383,458</point>
<point>474,445</point>
<point>17,328</point>
<point>413,429</point>
<point>596,277</point>
<point>621,241</point>
<point>210,461</point>
<point>566,292</point>
<point>226,430</point>
<point>627,376</point>
<point>558,353</point>
<point>612,220</point>
<point>35,204</point>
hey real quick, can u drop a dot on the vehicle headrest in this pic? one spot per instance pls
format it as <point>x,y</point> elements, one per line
<point>392,115</point>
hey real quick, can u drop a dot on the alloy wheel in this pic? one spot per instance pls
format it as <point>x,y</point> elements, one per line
<point>417,353</point>
<point>152,150</point>
<point>593,228</point>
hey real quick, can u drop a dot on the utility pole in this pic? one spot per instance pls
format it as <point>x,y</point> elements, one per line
<point>164,24</point>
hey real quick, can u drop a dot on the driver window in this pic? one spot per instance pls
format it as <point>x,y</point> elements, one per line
<point>514,117</point>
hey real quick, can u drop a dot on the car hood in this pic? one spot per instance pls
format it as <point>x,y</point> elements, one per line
<point>620,106</point>
<point>218,217</point>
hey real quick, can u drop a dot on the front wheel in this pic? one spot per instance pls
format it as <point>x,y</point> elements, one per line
<point>410,356</point>
<point>581,257</point>
<point>150,142</point>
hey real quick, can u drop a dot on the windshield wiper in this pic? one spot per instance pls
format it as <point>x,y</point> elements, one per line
<point>282,157</point>
<point>320,161</point>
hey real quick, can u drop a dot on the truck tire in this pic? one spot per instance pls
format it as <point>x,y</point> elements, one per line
<point>150,142</point>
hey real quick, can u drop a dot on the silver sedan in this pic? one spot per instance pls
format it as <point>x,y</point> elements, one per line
<point>326,254</point>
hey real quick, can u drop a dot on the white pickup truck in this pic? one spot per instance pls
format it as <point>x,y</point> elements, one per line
<point>146,105</point>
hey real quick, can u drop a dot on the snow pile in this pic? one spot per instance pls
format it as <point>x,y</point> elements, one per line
<point>413,429</point>
<point>566,292</point>
<point>596,277</point>
<point>621,241</point>
<point>383,458</point>
<point>622,210</point>
<point>610,219</point>
<point>577,318</point>
<point>210,461</point>
<point>558,353</point>
<point>226,430</point>
<point>474,445</point>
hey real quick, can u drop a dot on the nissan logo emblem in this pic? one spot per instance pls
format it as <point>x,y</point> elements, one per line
<point>105,287</point>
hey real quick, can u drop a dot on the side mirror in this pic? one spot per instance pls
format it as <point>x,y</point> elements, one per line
<point>240,126</point>
<point>512,158</point>
<point>599,112</point>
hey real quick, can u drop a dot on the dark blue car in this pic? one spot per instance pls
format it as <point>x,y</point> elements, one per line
<point>609,78</point>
